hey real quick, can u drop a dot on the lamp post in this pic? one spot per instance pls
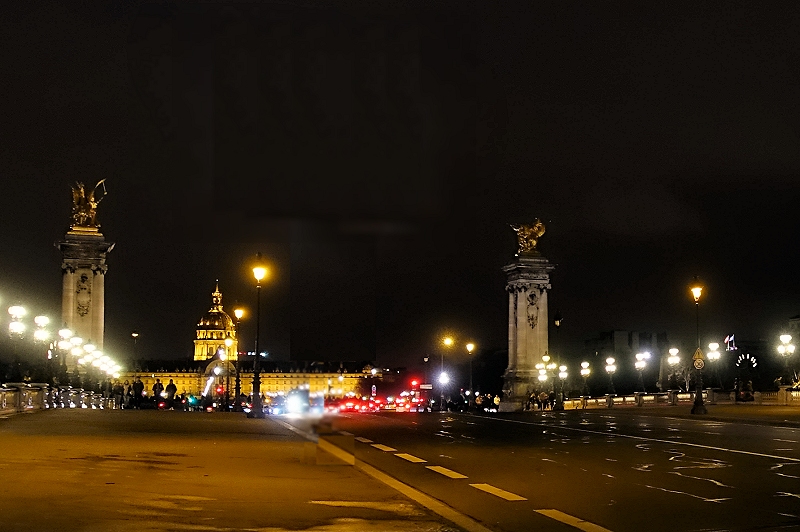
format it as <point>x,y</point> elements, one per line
<point>40,336</point>
<point>673,360</point>
<point>786,349</point>
<point>135,336</point>
<point>562,375</point>
<point>16,331</point>
<point>238,312</point>
<point>470,346</point>
<point>64,345</point>
<point>585,372</point>
<point>713,356</point>
<point>228,344</point>
<point>259,272</point>
<point>697,360</point>
<point>640,364</point>
<point>444,378</point>
<point>610,369</point>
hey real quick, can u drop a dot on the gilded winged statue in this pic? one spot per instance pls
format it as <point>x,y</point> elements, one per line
<point>84,205</point>
<point>528,236</point>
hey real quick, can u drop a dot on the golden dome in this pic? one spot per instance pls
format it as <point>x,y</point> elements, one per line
<point>216,318</point>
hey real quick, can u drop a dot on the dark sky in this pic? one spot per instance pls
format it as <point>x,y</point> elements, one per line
<point>376,152</point>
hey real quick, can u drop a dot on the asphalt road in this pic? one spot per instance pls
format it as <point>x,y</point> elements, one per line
<point>591,470</point>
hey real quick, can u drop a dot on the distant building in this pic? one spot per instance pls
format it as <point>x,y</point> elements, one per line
<point>217,362</point>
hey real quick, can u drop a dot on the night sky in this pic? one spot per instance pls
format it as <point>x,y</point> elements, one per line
<point>375,153</point>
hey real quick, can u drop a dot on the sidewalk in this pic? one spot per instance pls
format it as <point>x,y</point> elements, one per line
<point>784,416</point>
<point>164,471</point>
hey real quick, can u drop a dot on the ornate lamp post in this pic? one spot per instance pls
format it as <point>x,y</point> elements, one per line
<point>259,272</point>
<point>238,312</point>
<point>610,369</point>
<point>786,349</point>
<point>698,407</point>
<point>640,364</point>
<point>562,375</point>
<point>585,372</point>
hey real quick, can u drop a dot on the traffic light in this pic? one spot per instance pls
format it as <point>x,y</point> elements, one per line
<point>219,389</point>
<point>414,384</point>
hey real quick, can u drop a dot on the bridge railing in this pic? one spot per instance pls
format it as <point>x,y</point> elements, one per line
<point>23,397</point>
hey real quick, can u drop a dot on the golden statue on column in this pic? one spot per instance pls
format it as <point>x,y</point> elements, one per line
<point>84,205</point>
<point>528,236</point>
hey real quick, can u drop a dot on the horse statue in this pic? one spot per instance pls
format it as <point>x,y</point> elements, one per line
<point>528,236</point>
<point>84,206</point>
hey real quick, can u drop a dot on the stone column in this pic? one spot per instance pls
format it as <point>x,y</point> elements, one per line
<point>83,267</point>
<point>528,282</point>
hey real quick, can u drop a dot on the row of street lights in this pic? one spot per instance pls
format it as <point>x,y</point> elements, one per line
<point>85,354</point>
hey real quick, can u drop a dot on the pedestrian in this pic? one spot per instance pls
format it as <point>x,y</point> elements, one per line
<point>171,390</point>
<point>128,393</point>
<point>138,392</point>
<point>118,391</point>
<point>158,389</point>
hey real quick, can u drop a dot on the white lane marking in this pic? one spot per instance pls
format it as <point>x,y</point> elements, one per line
<point>689,494</point>
<point>446,472</point>
<point>410,458</point>
<point>497,492</point>
<point>363,439</point>
<point>345,433</point>
<point>567,519</point>
<point>427,501</point>
<point>672,442</point>
<point>715,482</point>
<point>785,441</point>
<point>383,447</point>
<point>785,494</point>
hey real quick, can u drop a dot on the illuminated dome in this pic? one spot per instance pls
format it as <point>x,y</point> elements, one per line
<point>216,318</point>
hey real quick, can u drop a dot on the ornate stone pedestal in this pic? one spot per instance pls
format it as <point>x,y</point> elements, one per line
<point>528,283</point>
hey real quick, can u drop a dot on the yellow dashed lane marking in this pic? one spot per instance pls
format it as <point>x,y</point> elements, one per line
<point>363,440</point>
<point>503,494</point>
<point>446,472</point>
<point>567,519</point>
<point>410,458</point>
<point>383,447</point>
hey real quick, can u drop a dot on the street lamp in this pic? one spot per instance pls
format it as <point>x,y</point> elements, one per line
<point>640,364</point>
<point>238,312</point>
<point>698,407</point>
<point>16,331</point>
<point>585,372</point>
<point>713,356</point>
<point>610,369</point>
<point>64,345</point>
<point>228,344</point>
<point>562,374</point>
<point>786,349</point>
<point>443,377</point>
<point>673,360</point>
<point>259,272</point>
<point>470,346</point>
